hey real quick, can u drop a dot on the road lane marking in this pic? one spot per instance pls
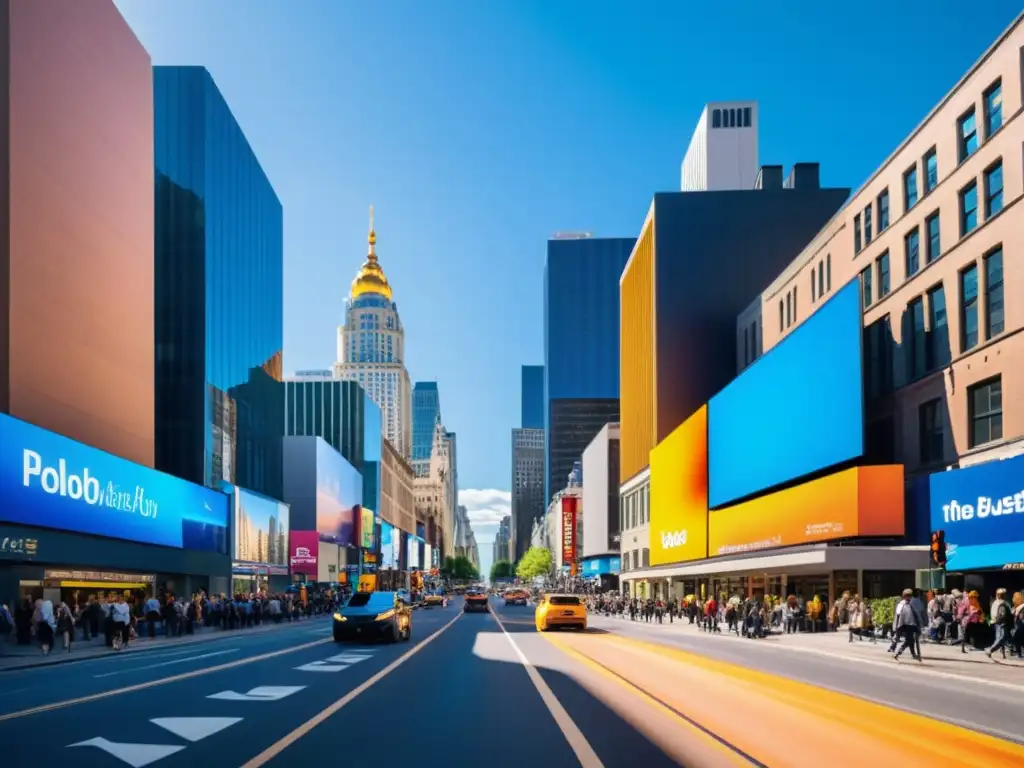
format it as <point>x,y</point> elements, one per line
<point>879,721</point>
<point>167,663</point>
<point>585,753</point>
<point>728,750</point>
<point>194,728</point>
<point>282,744</point>
<point>136,755</point>
<point>155,683</point>
<point>321,666</point>
<point>263,693</point>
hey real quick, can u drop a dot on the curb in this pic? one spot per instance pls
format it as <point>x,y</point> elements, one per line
<point>66,658</point>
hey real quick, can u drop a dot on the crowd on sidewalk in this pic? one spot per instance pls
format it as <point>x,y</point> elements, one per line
<point>122,618</point>
<point>951,618</point>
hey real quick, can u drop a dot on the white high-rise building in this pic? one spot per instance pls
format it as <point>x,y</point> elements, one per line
<point>371,349</point>
<point>723,150</point>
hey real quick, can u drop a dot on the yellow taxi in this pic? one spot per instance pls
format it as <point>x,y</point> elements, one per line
<point>433,598</point>
<point>560,611</point>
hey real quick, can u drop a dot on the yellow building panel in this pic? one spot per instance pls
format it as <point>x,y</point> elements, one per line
<point>636,357</point>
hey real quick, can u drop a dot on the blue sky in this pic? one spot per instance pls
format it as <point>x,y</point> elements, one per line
<point>478,128</point>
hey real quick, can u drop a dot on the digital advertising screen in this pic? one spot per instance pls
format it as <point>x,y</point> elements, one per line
<point>679,493</point>
<point>857,502</point>
<point>428,558</point>
<point>795,411</point>
<point>980,511</point>
<point>304,551</point>
<point>339,492</point>
<point>261,529</point>
<point>568,530</point>
<point>52,481</point>
<point>396,543</point>
<point>413,556</point>
<point>387,546</point>
<point>366,525</point>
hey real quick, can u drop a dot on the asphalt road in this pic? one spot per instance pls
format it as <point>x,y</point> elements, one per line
<point>479,689</point>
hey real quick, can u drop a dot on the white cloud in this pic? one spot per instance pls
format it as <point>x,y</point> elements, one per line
<point>485,507</point>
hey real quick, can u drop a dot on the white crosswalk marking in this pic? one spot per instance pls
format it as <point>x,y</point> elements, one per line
<point>195,728</point>
<point>347,658</point>
<point>136,755</point>
<point>264,693</point>
<point>322,666</point>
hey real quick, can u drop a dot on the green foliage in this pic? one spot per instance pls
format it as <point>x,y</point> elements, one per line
<point>460,569</point>
<point>536,562</point>
<point>883,611</point>
<point>502,569</point>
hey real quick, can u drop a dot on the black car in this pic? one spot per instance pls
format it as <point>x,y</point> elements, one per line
<point>373,616</point>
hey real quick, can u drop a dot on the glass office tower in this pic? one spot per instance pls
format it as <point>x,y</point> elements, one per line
<point>219,286</point>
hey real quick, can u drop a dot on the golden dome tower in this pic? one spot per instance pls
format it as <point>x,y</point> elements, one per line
<point>370,278</point>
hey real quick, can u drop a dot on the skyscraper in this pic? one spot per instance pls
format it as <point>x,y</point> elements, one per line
<point>76,225</point>
<point>581,346</point>
<point>219,293</point>
<point>502,540</point>
<point>371,348</point>
<point>426,413</point>
<point>722,154</point>
<point>527,487</point>
<point>532,398</point>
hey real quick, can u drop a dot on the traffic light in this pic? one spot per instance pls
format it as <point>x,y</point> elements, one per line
<point>938,549</point>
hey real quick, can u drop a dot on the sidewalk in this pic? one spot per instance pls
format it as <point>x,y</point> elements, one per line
<point>943,659</point>
<point>17,657</point>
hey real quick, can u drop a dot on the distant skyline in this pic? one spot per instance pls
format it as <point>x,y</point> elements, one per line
<point>544,117</point>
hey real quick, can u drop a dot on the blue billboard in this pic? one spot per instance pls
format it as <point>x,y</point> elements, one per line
<point>796,410</point>
<point>51,481</point>
<point>339,494</point>
<point>387,546</point>
<point>599,566</point>
<point>980,510</point>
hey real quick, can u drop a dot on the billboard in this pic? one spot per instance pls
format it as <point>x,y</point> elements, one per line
<point>261,529</point>
<point>51,481</point>
<point>413,553</point>
<point>387,547</point>
<point>679,493</point>
<point>568,530</point>
<point>765,428</point>
<point>857,502</point>
<point>366,528</point>
<point>980,511</point>
<point>303,551</point>
<point>599,566</point>
<point>339,491</point>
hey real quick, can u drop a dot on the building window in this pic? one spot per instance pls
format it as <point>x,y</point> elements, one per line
<point>746,346</point>
<point>732,118</point>
<point>967,135</point>
<point>939,353</point>
<point>882,262</point>
<point>867,225</point>
<point>794,303</point>
<point>746,117</point>
<point>828,271</point>
<point>789,309</point>
<point>969,308</point>
<point>994,190</point>
<point>856,234</point>
<point>931,170</point>
<point>781,316</point>
<point>933,245</point>
<point>814,286</point>
<point>865,285</point>
<point>918,338</point>
<point>985,411</point>
<point>716,118</point>
<point>912,252</point>
<point>878,371</point>
<point>930,431</point>
<point>883,210</point>
<point>995,318</point>
<point>993,99</point>
<point>821,279</point>
<point>910,188</point>
<point>968,208</point>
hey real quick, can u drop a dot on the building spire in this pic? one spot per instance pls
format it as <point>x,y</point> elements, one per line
<point>371,254</point>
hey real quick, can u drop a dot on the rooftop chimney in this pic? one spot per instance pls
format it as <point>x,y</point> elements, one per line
<point>803,176</point>
<point>769,177</point>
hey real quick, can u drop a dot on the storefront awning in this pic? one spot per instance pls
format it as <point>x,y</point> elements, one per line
<point>799,560</point>
<point>106,585</point>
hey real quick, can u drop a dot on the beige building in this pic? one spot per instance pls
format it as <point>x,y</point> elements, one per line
<point>433,493</point>
<point>937,240</point>
<point>397,501</point>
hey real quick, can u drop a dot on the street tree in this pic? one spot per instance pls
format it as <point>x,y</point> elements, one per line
<point>536,562</point>
<point>502,569</point>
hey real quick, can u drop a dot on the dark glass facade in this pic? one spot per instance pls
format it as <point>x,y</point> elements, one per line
<point>533,397</point>
<point>219,293</point>
<point>426,409</point>
<point>573,424</point>
<point>343,415</point>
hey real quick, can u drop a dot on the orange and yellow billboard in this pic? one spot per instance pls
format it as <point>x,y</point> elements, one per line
<point>679,493</point>
<point>862,501</point>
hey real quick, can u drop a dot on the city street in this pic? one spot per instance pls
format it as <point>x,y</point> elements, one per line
<point>488,689</point>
